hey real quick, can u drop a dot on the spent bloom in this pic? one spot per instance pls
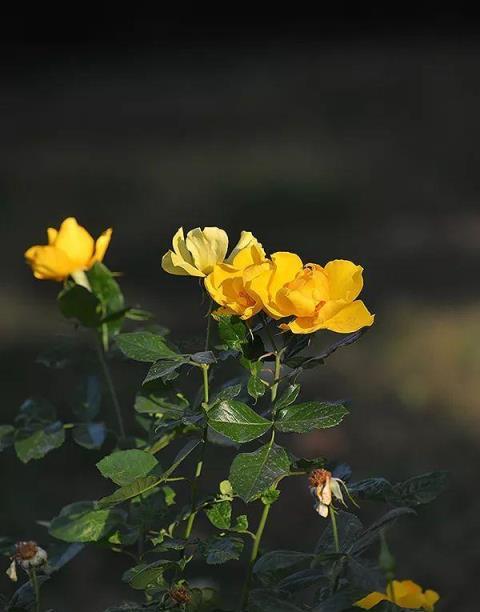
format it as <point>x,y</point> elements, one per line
<point>180,595</point>
<point>198,252</point>
<point>405,594</point>
<point>27,555</point>
<point>324,487</point>
<point>70,250</point>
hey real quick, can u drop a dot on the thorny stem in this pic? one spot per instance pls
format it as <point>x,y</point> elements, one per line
<point>35,587</point>
<point>254,555</point>
<point>111,388</point>
<point>199,467</point>
<point>333,518</point>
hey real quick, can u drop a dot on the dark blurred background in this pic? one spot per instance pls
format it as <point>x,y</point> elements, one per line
<point>349,136</point>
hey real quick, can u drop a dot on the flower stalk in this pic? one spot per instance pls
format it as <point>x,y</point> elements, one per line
<point>111,388</point>
<point>35,587</point>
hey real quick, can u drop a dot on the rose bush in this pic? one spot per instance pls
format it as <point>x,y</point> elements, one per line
<point>264,312</point>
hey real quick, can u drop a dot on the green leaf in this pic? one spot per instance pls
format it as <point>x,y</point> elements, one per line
<point>237,421</point>
<point>107,290</point>
<point>87,398</point>
<point>252,473</point>
<point>219,549</point>
<point>302,418</point>
<point>220,514</point>
<point>262,600</point>
<point>241,524</point>
<point>233,332</point>
<point>37,444</point>
<point>227,393</point>
<point>146,346</point>
<point>135,488</point>
<point>277,564</point>
<point>36,411</point>
<point>148,576</point>
<point>123,467</point>
<point>203,357</point>
<point>165,369</point>
<point>288,397</point>
<point>420,489</point>
<point>147,483</point>
<point>256,387</point>
<point>76,302</point>
<point>378,489</point>
<point>7,433</point>
<point>83,522</point>
<point>367,537</point>
<point>90,435</point>
<point>152,403</point>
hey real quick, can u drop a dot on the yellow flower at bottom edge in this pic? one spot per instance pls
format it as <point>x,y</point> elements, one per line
<point>70,249</point>
<point>227,283</point>
<point>318,297</point>
<point>405,594</point>
<point>201,250</point>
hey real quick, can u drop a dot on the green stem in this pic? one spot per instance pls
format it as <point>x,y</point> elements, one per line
<point>199,467</point>
<point>209,324</point>
<point>334,529</point>
<point>254,555</point>
<point>111,388</point>
<point>36,588</point>
<point>276,375</point>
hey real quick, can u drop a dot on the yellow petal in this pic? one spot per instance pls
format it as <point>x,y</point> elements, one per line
<point>246,239</point>
<point>101,246</point>
<point>431,598</point>
<point>208,247</point>
<point>345,279</point>
<point>370,601</point>
<point>175,264</point>
<point>402,588</point>
<point>52,234</point>
<point>286,267</point>
<point>49,262</point>
<point>350,319</point>
<point>251,255</point>
<point>180,246</point>
<point>75,242</point>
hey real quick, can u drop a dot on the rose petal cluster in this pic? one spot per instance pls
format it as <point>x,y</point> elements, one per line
<point>405,594</point>
<point>310,297</point>
<point>70,249</point>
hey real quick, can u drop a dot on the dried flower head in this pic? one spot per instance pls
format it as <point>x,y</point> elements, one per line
<point>180,595</point>
<point>322,486</point>
<point>27,555</point>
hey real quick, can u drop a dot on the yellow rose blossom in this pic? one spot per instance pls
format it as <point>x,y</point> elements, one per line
<point>319,297</point>
<point>405,594</point>
<point>227,283</point>
<point>201,250</point>
<point>70,250</point>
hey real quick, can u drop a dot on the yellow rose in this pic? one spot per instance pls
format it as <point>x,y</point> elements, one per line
<point>405,594</point>
<point>70,250</point>
<point>201,250</point>
<point>319,297</point>
<point>227,283</point>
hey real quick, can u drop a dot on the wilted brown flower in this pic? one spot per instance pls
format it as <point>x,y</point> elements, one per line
<point>27,555</point>
<point>322,486</point>
<point>180,595</point>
